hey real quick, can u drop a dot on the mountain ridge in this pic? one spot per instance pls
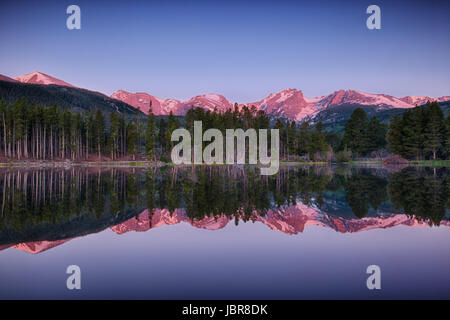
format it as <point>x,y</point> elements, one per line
<point>75,99</point>
<point>289,103</point>
<point>42,78</point>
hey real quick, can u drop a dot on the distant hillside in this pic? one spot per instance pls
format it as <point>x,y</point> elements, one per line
<point>77,100</point>
<point>334,118</point>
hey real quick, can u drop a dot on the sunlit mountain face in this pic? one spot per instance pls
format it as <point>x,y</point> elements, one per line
<point>288,103</point>
<point>44,209</point>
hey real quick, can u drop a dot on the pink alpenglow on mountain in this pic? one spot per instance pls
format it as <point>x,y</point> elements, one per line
<point>207,102</point>
<point>5,78</point>
<point>421,100</point>
<point>357,97</point>
<point>42,78</point>
<point>5,246</point>
<point>141,100</point>
<point>161,217</point>
<point>39,246</point>
<point>289,103</point>
<point>289,220</point>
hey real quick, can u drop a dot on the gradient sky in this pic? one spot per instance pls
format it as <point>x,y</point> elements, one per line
<point>242,49</point>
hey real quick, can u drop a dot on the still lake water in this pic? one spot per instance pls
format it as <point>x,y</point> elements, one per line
<point>225,233</point>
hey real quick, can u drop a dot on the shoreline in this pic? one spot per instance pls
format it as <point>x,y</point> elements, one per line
<point>145,163</point>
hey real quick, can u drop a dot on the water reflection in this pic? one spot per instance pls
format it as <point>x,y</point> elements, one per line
<point>45,208</point>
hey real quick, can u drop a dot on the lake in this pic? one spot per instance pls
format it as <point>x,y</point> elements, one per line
<point>224,232</point>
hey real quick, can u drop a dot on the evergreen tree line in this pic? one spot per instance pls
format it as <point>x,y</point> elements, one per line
<point>295,140</point>
<point>303,141</point>
<point>35,132</point>
<point>420,133</point>
<point>362,135</point>
<point>30,131</point>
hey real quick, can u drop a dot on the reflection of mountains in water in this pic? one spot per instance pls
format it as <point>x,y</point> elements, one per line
<point>41,209</point>
<point>290,220</point>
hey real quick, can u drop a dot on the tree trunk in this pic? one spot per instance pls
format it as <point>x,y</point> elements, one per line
<point>4,134</point>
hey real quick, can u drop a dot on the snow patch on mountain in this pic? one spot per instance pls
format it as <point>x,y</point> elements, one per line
<point>42,78</point>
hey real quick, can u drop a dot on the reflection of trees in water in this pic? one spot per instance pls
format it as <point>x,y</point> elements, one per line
<point>421,192</point>
<point>362,190</point>
<point>232,191</point>
<point>56,196</point>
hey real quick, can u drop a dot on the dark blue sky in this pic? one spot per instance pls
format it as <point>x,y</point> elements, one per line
<point>242,49</point>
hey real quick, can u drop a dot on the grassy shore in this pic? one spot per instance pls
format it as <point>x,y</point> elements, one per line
<point>430,163</point>
<point>423,163</point>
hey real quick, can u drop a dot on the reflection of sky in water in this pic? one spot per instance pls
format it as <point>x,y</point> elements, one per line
<point>318,248</point>
<point>248,261</point>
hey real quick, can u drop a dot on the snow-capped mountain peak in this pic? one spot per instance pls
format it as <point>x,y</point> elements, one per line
<point>141,100</point>
<point>347,97</point>
<point>421,100</point>
<point>289,103</point>
<point>42,78</point>
<point>209,101</point>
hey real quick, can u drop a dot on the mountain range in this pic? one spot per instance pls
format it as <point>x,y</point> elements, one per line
<point>289,103</point>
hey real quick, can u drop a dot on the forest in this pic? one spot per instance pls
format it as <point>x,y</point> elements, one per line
<point>36,132</point>
<point>421,133</point>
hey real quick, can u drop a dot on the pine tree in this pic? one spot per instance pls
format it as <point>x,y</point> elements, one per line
<point>375,135</point>
<point>172,124</point>
<point>88,126</point>
<point>291,132</point>
<point>355,131</point>
<point>150,134</point>
<point>395,136</point>
<point>132,139</point>
<point>318,144</point>
<point>114,135</point>
<point>3,124</point>
<point>434,130</point>
<point>162,137</point>
<point>99,132</point>
<point>413,133</point>
<point>304,137</point>
<point>447,137</point>
<point>283,138</point>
